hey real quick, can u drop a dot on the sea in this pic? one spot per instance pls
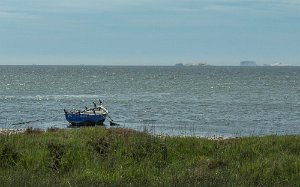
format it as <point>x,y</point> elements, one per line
<point>204,101</point>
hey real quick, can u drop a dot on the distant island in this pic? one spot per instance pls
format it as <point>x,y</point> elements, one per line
<point>253,63</point>
<point>193,64</point>
<point>248,63</point>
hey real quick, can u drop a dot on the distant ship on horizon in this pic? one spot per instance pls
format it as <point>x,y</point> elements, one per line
<point>277,64</point>
<point>280,64</point>
<point>193,64</point>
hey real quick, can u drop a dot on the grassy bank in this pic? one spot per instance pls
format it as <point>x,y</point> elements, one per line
<point>122,157</point>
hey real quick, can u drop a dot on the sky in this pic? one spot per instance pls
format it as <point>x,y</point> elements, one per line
<point>149,32</point>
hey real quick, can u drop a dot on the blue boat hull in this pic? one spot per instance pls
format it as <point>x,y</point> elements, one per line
<point>85,119</point>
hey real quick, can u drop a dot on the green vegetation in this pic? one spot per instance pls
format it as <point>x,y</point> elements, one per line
<point>96,156</point>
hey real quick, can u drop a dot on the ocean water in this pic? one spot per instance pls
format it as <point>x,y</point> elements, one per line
<point>186,101</point>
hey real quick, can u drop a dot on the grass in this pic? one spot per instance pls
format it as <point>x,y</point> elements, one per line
<point>96,156</point>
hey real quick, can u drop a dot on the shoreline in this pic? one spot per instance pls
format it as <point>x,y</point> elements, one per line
<point>162,136</point>
<point>9,131</point>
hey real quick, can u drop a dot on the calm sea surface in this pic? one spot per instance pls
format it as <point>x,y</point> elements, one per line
<point>191,101</point>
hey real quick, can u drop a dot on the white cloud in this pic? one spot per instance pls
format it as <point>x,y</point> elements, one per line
<point>119,5</point>
<point>15,16</point>
<point>97,5</point>
<point>70,5</point>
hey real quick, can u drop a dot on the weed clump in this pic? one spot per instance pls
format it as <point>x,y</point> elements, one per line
<point>100,145</point>
<point>217,164</point>
<point>52,129</point>
<point>56,152</point>
<point>149,148</point>
<point>33,131</point>
<point>9,156</point>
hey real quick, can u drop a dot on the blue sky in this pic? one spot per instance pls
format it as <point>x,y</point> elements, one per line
<point>147,32</point>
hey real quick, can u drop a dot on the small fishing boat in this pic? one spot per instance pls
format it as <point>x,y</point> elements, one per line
<point>92,116</point>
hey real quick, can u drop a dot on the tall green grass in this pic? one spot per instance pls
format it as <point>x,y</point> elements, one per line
<point>96,156</point>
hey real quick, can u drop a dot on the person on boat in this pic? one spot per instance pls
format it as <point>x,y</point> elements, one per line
<point>94,111</point>
<point>95,105</point>
<point>65,111</point>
